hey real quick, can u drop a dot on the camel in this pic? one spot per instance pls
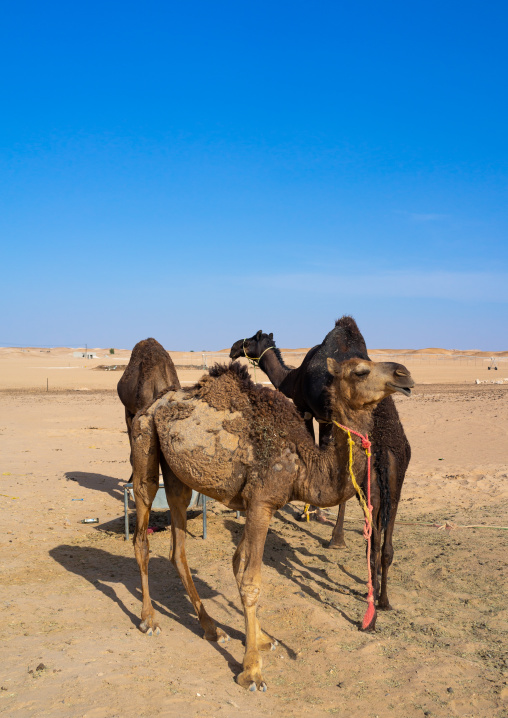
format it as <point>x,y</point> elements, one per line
<point>149,372</point>
<point>306,386</point>
<point>247,447</point>
<point>261,348</point>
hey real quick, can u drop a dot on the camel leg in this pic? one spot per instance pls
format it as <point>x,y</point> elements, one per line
<point>128,420</point>
<point>146,482</point>
<point>178,496</point>
<point>247,567</point>
<point>264,641</point>
<point>387,552</point>
<point>309,425</point>
<point>325,437</point>
<point>386,561</point>
<point>337,541</point>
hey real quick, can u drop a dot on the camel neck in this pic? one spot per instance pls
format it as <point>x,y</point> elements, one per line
<point>273,366</point>
<point>326,480</point>
<point>360,421</point>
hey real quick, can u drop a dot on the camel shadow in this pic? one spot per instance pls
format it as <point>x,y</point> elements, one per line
<point>101,569</point>
<point>280,555</point>
<point>294,513</point>
<point>98,482</point>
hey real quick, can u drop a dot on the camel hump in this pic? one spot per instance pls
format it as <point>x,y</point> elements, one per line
<point>348,323</point>
<point>147,349</point>
<point>234,368</point>
<point>345,340</point>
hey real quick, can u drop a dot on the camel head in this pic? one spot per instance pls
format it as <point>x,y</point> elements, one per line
<point>253,347</point>
<point>360,383</point>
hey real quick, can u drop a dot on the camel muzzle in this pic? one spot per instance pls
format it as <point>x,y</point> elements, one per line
<point>406,390</point>
<point>403,389</point>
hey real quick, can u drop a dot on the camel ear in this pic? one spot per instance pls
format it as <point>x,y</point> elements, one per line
<point>258,335</point>
<point>270,336</point>
<point>332,366</point>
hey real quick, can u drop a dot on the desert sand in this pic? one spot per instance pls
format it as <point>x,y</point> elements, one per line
<point>70,592</point>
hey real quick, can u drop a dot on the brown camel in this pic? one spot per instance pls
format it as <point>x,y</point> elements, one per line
<point>149,372</point>
<point>261,351</point>
<point>307,387</point>
<point>247,446</point>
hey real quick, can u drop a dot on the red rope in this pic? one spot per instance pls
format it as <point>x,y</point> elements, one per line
<point>370,613</point>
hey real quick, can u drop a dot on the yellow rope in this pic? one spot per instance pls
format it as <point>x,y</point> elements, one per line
<point>358,489</point>
<point>254,360</point>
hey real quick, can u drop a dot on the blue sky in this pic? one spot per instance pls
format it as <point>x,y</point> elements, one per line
<point>197,171</point>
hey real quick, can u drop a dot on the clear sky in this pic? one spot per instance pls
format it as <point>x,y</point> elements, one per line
<point>196,171</point>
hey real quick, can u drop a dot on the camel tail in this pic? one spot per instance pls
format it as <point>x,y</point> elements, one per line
<point>383,478</point>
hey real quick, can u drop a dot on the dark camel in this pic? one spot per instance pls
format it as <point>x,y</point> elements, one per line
<point>261,350</point>
<point>246,446</point>
<point>306,386</point>
<point>150,370</point>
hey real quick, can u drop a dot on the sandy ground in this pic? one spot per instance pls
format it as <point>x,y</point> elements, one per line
<point>54,369</point>
<point>70,593</point>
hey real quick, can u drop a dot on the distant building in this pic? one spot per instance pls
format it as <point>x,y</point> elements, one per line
<point>84,355</point>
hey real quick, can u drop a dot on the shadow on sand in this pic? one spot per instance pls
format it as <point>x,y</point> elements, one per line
<point>98,482</point>
<point>102,569</point>
<point>293,563</point>
<point>297,564</point>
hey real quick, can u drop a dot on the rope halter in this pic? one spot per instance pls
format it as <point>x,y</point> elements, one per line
<point>254,360</point>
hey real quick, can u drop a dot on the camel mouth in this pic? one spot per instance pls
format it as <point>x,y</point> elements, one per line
<point>403,389</point>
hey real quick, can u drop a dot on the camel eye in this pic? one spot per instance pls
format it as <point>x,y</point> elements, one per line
<point>362,372</point>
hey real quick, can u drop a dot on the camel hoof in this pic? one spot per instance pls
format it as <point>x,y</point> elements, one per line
<point>384,607</point>
<point>148,629</point>
<point>268,644</point>
<point>371,628</point>
<point>216,635</point>
<point>251,682</point>
<point>262,687</point>
<point>341,544</point>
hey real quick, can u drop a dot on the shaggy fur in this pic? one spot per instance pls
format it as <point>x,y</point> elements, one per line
<point>270,416</point>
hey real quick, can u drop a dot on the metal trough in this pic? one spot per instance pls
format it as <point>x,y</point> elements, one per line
<point>197,501</point>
